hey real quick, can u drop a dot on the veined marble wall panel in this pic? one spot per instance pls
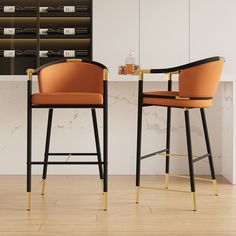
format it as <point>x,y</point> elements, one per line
<point>73,132</point>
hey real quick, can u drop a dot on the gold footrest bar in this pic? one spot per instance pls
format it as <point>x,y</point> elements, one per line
<point>187,177</point>
<point>164,189</point>
<point>105,196</point>
<point>28,197</point>
<point>43,186</point>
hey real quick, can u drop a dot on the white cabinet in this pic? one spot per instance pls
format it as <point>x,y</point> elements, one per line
<point>115,32</point>
<point>212,24</point>
<point>164,33</point>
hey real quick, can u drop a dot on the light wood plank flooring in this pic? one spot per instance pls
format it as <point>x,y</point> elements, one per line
<point>72,206</point>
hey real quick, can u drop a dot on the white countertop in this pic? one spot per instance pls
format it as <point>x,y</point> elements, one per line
<point>119,78</point>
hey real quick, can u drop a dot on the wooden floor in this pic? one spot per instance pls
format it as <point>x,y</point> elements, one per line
<point>72,206</point>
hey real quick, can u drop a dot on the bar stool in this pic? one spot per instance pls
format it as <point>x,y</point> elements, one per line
<point>198,82</point>
<point>71,83</point>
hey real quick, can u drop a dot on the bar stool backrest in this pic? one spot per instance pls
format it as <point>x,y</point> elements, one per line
<point>201,80</point>
<point>71,76</point>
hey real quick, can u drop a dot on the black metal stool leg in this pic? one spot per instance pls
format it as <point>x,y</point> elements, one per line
<point>168,146</point>
<point>29,152</point>
<point>139,140</point>
<point>48,136</point>
<point>190,157</point>
<point>204,124</point>
<point>168,129</point>
<point>105,145</point>
<point>95,127</point>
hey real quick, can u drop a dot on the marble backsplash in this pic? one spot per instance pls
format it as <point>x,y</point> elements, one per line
<point>73,132</point>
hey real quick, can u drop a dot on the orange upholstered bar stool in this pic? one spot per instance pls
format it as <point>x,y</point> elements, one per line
<point>198,82</point>
<point>71,83</point>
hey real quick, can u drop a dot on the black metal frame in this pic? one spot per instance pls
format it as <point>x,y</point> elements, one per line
<point>102,164</point>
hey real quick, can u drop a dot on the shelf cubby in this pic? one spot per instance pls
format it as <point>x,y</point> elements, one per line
<point>30,38</point>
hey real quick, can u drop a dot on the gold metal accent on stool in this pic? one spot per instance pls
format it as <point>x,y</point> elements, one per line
<point>169,76</point>
<point>181,98</point>
<point>140,75</point>
<point>137,194</point>
<point>105,74</point>
<point>105,196</point>
<point>28,197</point>
<point>194,201</point>
<point>146,71</point>
<point>215,186</point>
<point>30,73</point>
<point>43,186</point>
<point>102,183</point>
<point>167,180</point>
<point>75,59</point>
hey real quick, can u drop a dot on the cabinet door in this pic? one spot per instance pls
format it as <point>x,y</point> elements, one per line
<point>115,32</point>
<point>164,29</point>
<point>213,30</point>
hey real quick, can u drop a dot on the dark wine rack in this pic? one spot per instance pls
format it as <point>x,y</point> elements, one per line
<point>35,32</point>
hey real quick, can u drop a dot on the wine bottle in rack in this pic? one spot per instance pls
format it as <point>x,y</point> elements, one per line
<point>13,9</point>
<point>10,53</point>
<point>67,9</point>
<point>47,53</point>
<point>68,31</point>
<point>73,31</point>
<point>43,31</point>
<point>15,31</point>
<point>73,53</point>
<point>10,31</point>
<point>63,53</point>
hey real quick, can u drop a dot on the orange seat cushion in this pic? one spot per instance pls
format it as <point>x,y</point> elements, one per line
<point>67,98</point>
<point>172,102</point>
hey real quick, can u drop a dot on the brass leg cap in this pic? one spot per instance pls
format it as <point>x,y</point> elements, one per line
<point>28,197</point>
<point>215,187</point>
<point>167,180</point>
<point>194,201</point>
<point>105,196</point>
<point>137,194</point>
<point>43,186</point>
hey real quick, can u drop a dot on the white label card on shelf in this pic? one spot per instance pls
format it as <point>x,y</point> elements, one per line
<point>69,31</point>
<point>43,31</point>
<point>43,54</point>
<point>9,53</point>
<point>43,9</point>
<point>9,31</point>
<point>69,8</point>
<point>9,9</point>
<point>69,53</point>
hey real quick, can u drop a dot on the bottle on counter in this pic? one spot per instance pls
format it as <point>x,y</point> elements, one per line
<point>130,62</point>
